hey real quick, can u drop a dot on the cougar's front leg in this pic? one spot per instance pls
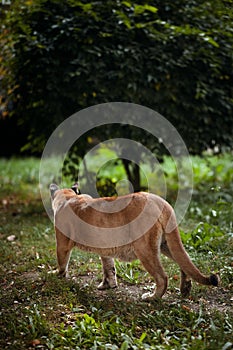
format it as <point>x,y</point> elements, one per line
<point>109,274</point>
<point>64,247</point>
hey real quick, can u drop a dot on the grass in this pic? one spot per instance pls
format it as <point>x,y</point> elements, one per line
<point>39,310</point>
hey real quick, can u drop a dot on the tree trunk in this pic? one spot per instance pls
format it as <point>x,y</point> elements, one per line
<point>133,173</point>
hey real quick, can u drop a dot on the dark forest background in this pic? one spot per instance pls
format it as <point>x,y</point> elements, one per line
<point>60,57</point>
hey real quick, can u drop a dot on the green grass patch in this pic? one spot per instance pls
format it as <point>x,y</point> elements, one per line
<point>40,310</point>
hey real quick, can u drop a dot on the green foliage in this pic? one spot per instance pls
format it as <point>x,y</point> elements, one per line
<point>204,237</point>
<point>129,272</point>
<point>24,175</point>
<point>175,57</point>
<point>87,332</point>
<point>35,323</point>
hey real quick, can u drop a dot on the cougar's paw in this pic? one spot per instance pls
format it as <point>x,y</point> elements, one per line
<point>63,274</point>
<point>107,284</point>
<point>185,288</point>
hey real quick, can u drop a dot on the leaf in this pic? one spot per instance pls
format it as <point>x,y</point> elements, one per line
<point>176,277</point>
<point>35,342</point>
<point>186,308</point>
<point>11,238</point>
<point>143,336</point>
<point>227,346</point>
<point>139,9</point>
<point>124,345</point>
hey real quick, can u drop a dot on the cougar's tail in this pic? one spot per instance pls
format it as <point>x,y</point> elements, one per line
<point>181,257</point>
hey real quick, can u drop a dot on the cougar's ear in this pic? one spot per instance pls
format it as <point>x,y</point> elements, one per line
<point>53,188</point>
<point>75,188</point>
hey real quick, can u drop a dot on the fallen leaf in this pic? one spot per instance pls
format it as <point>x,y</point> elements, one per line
<point>35,342</point>
<point>176,277</point>
<point>11,238</point>
<point>186,308</point>
<point>4,202</point>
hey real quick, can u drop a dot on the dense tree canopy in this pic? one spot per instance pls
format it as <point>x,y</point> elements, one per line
<point>172,56</point>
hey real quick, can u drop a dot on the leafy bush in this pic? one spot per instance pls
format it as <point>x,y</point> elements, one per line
<point>205,237</point>
<point>60,57</point>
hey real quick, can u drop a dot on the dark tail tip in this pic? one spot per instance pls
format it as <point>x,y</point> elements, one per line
<point>214,280</point>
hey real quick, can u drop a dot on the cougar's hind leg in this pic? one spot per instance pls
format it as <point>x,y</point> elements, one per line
<point>165,250</point>
<point>185,282</point>
<point>150,259</point>
<point>109,274</point>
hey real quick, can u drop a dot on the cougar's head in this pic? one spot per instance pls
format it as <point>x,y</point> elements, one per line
<point>54,188</point>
